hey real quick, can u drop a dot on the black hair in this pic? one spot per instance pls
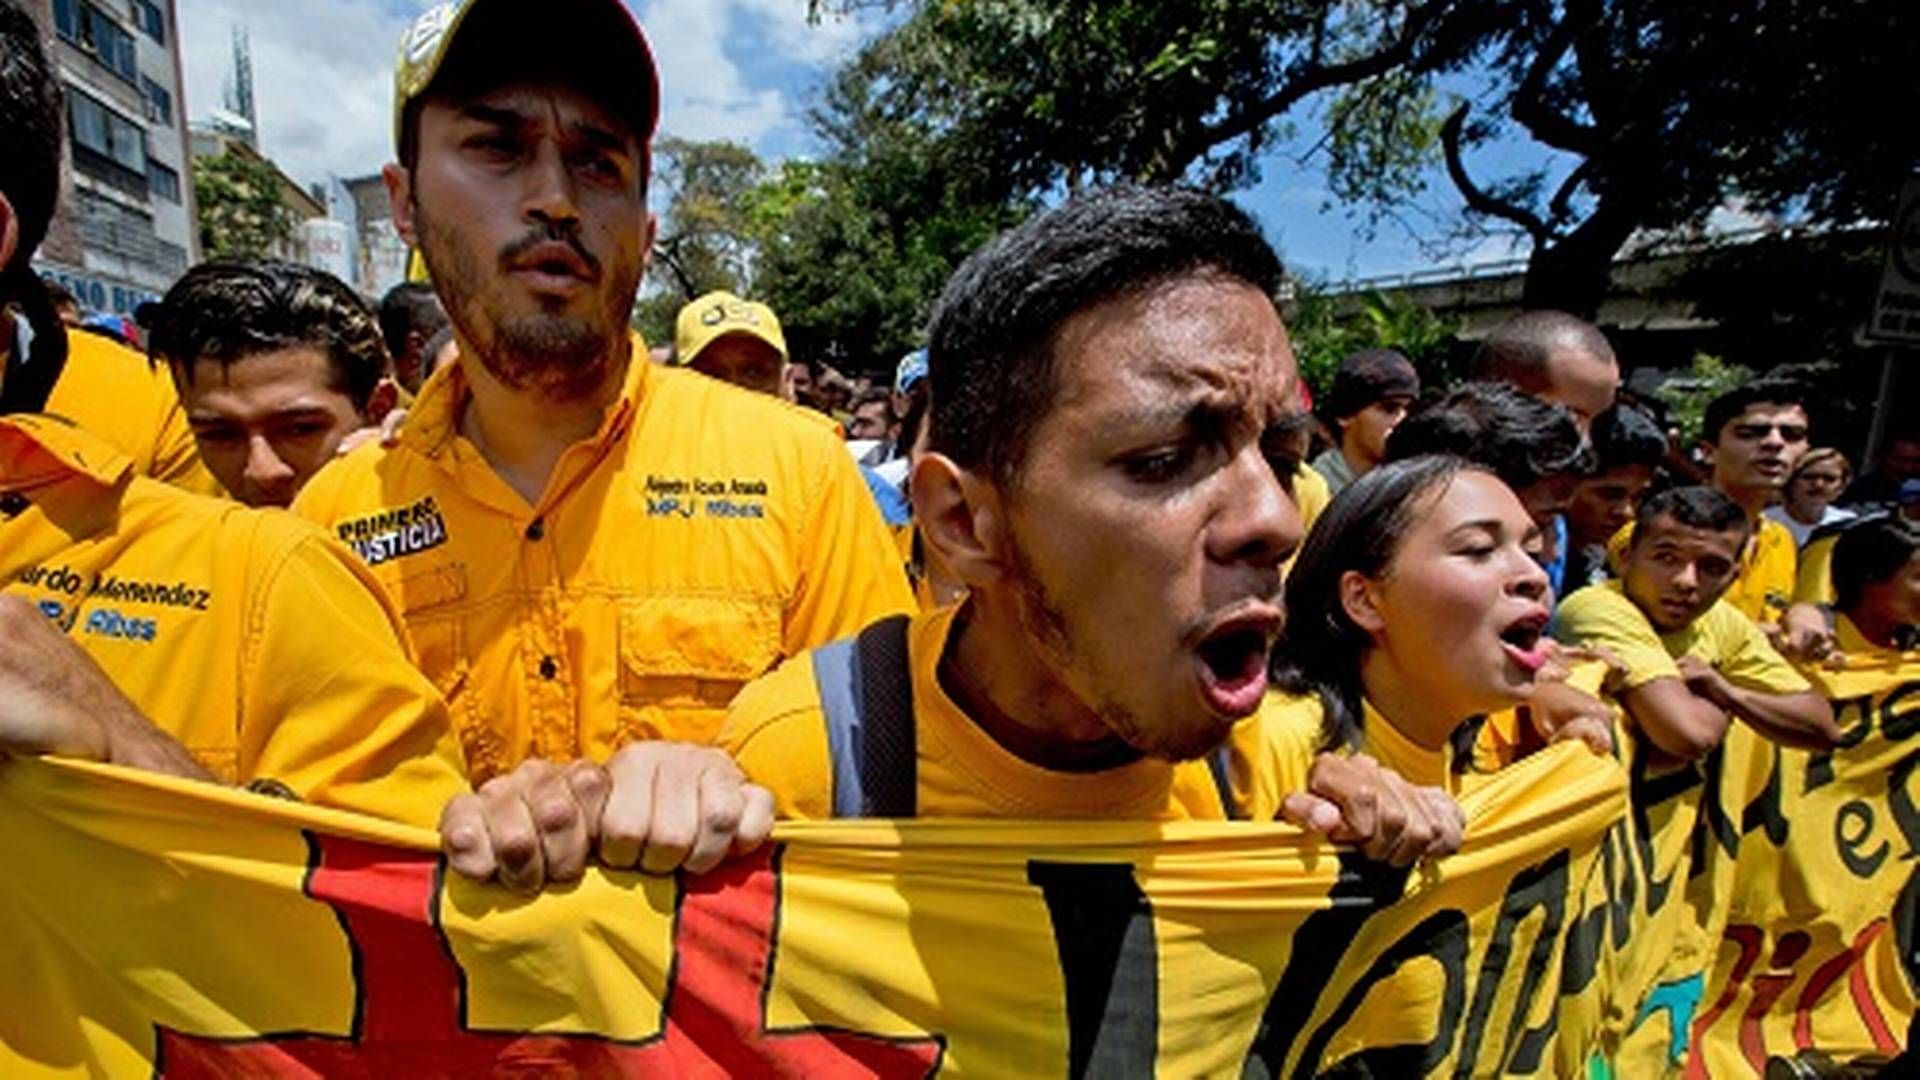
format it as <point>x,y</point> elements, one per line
<point>1724,409</point>
<point>1321,647</point>
<point>1627,435</point>
<point>990,354</point>
<point>872,396</point>
<point>408,308</point>
<point>228,310</point>
<point>1518,349</point>
<point>1518,437</point>
<point>30,112</point>
<point>1696,506</point>
<point>59,295</point>
<point>1869,553</point>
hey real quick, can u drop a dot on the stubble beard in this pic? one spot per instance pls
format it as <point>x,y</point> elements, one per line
<point>559,357</point>
<point>1048,627</point>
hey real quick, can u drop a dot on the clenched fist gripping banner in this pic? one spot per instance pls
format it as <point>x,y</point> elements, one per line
<point>150,927</point>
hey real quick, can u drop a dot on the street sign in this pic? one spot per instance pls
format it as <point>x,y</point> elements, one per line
<point>1896,308</point>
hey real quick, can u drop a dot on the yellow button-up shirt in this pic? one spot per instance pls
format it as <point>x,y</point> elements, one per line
<point>264,649</point>
<point>703,533</point>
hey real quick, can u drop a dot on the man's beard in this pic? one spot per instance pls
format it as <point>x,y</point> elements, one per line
<point>560,357</point>
<point>1047,626</point>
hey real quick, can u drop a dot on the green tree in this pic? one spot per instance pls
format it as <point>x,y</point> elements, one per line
<point>241,215</point>
<point>1326,329</point>
<point>1657,112</point>
<point>706,241</point>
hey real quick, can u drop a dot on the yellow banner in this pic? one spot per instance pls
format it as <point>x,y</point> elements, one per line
<point>150,927</point>
<point>1824,894</point>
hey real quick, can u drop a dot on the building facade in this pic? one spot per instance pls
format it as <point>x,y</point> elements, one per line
<point>124,230</point>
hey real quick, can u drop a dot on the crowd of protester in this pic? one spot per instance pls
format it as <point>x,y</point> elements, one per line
<point>475,559</point>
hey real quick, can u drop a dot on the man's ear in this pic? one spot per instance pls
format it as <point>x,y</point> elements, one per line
<point>399,183</point>
<point>962,517</point>
<point>1360,599</point>
<point>649,235</point>
<point>9,232</point>
<point>386,394</point>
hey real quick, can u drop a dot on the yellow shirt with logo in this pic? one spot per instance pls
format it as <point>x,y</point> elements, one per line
<point>130,404</point>
<point>1723,637</point>
<point>1769,568</point>
<point>703,533</point>
<point>1814,583</point>
<point>777,731</point>
<point>262,648</point>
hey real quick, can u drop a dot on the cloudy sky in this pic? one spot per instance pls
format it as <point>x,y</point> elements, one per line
<point>738,69</point>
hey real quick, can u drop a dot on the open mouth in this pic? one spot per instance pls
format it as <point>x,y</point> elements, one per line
<point>1232,662</point>
<point>1525,641</point>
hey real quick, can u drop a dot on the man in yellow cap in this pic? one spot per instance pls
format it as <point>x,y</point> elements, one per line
<point>733,340</point>
<point>592,553</point>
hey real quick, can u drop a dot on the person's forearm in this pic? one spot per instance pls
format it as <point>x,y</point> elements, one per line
<point>1803,720</point>
<point>133,741</point>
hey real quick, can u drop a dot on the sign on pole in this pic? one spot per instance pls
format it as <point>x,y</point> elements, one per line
<point>1896,308</point>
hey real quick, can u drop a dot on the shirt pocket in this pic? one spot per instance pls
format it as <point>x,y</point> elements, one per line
<point>681,651</point>
<point>430,604</point>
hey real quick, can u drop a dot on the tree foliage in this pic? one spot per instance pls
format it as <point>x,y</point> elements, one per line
<point>706,239</point>
<point>1660,112</point>
<point>1327,329</point>
<point>241,215</point>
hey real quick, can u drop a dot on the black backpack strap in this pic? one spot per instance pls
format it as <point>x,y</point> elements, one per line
<point>866,694</point>
<point>1219,763</point>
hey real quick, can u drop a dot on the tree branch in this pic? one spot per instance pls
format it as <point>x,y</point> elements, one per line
<point>1313,77</point>
<point>1477,198</point>
<point>1529,99</point>
<point>1561,208</point>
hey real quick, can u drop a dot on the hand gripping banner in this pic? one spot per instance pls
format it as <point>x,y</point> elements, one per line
<point>157,928</point>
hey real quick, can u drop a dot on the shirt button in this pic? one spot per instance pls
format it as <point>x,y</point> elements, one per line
<point>549,668</point>
<point>537,530</point>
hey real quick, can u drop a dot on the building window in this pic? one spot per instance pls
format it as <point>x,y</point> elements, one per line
<point>159,101</point>
<point>106,145</point>
<point>164,182</point>
<point>95,31</point>
<point>151,20</point>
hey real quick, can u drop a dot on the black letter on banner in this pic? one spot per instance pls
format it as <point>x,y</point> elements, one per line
<point>1899,726</point>
<point>1906,933</point>
<point>1714,824</point>
<point>1441,936</point>
<point>1644,793</point>
<point>1364,889</point>
<point>1764,810</point>
<point>1544,887</point>
<point>1103,928</point>
<point>1849,841</point>
<point>1820,765</point>
<point>1900,801</point>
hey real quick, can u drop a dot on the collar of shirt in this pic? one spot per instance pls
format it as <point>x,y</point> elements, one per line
<point>36,449</point>
<point>434,423</point>
<point>1415,763</point>
<point>1860,652</point>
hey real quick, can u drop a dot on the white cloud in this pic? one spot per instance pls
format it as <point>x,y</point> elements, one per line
<point>323,71</point>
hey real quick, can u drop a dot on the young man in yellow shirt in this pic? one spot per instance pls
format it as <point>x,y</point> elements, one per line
<point>1110,473</point>
<point>109,390</point>
<point>591,552</point>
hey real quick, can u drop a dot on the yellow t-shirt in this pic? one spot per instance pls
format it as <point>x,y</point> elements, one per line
<point>1311,494</point>
<point>701,535</point>
<point>130,404</point>
<point>1814,583</point>
<point>264,649</point>
<point>1768,568</point>
<point>777,731</point>
<point>1723,637</point>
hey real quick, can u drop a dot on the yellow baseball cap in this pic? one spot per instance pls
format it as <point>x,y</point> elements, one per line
<point>717,314</point>
<point>600,39</point>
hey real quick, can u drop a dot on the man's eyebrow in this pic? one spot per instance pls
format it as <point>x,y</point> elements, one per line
<point>603,138</point>
<point>492,114</point>
<point>1292,423</point>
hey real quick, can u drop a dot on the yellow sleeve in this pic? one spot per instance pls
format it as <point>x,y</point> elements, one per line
<point>1311,494</point>
<point>1601,615</point>
<point>777,734</point>
<point>1747,658</point>
<point>850,569</point>
<point>1813,583</point>
<point>331,704</point>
